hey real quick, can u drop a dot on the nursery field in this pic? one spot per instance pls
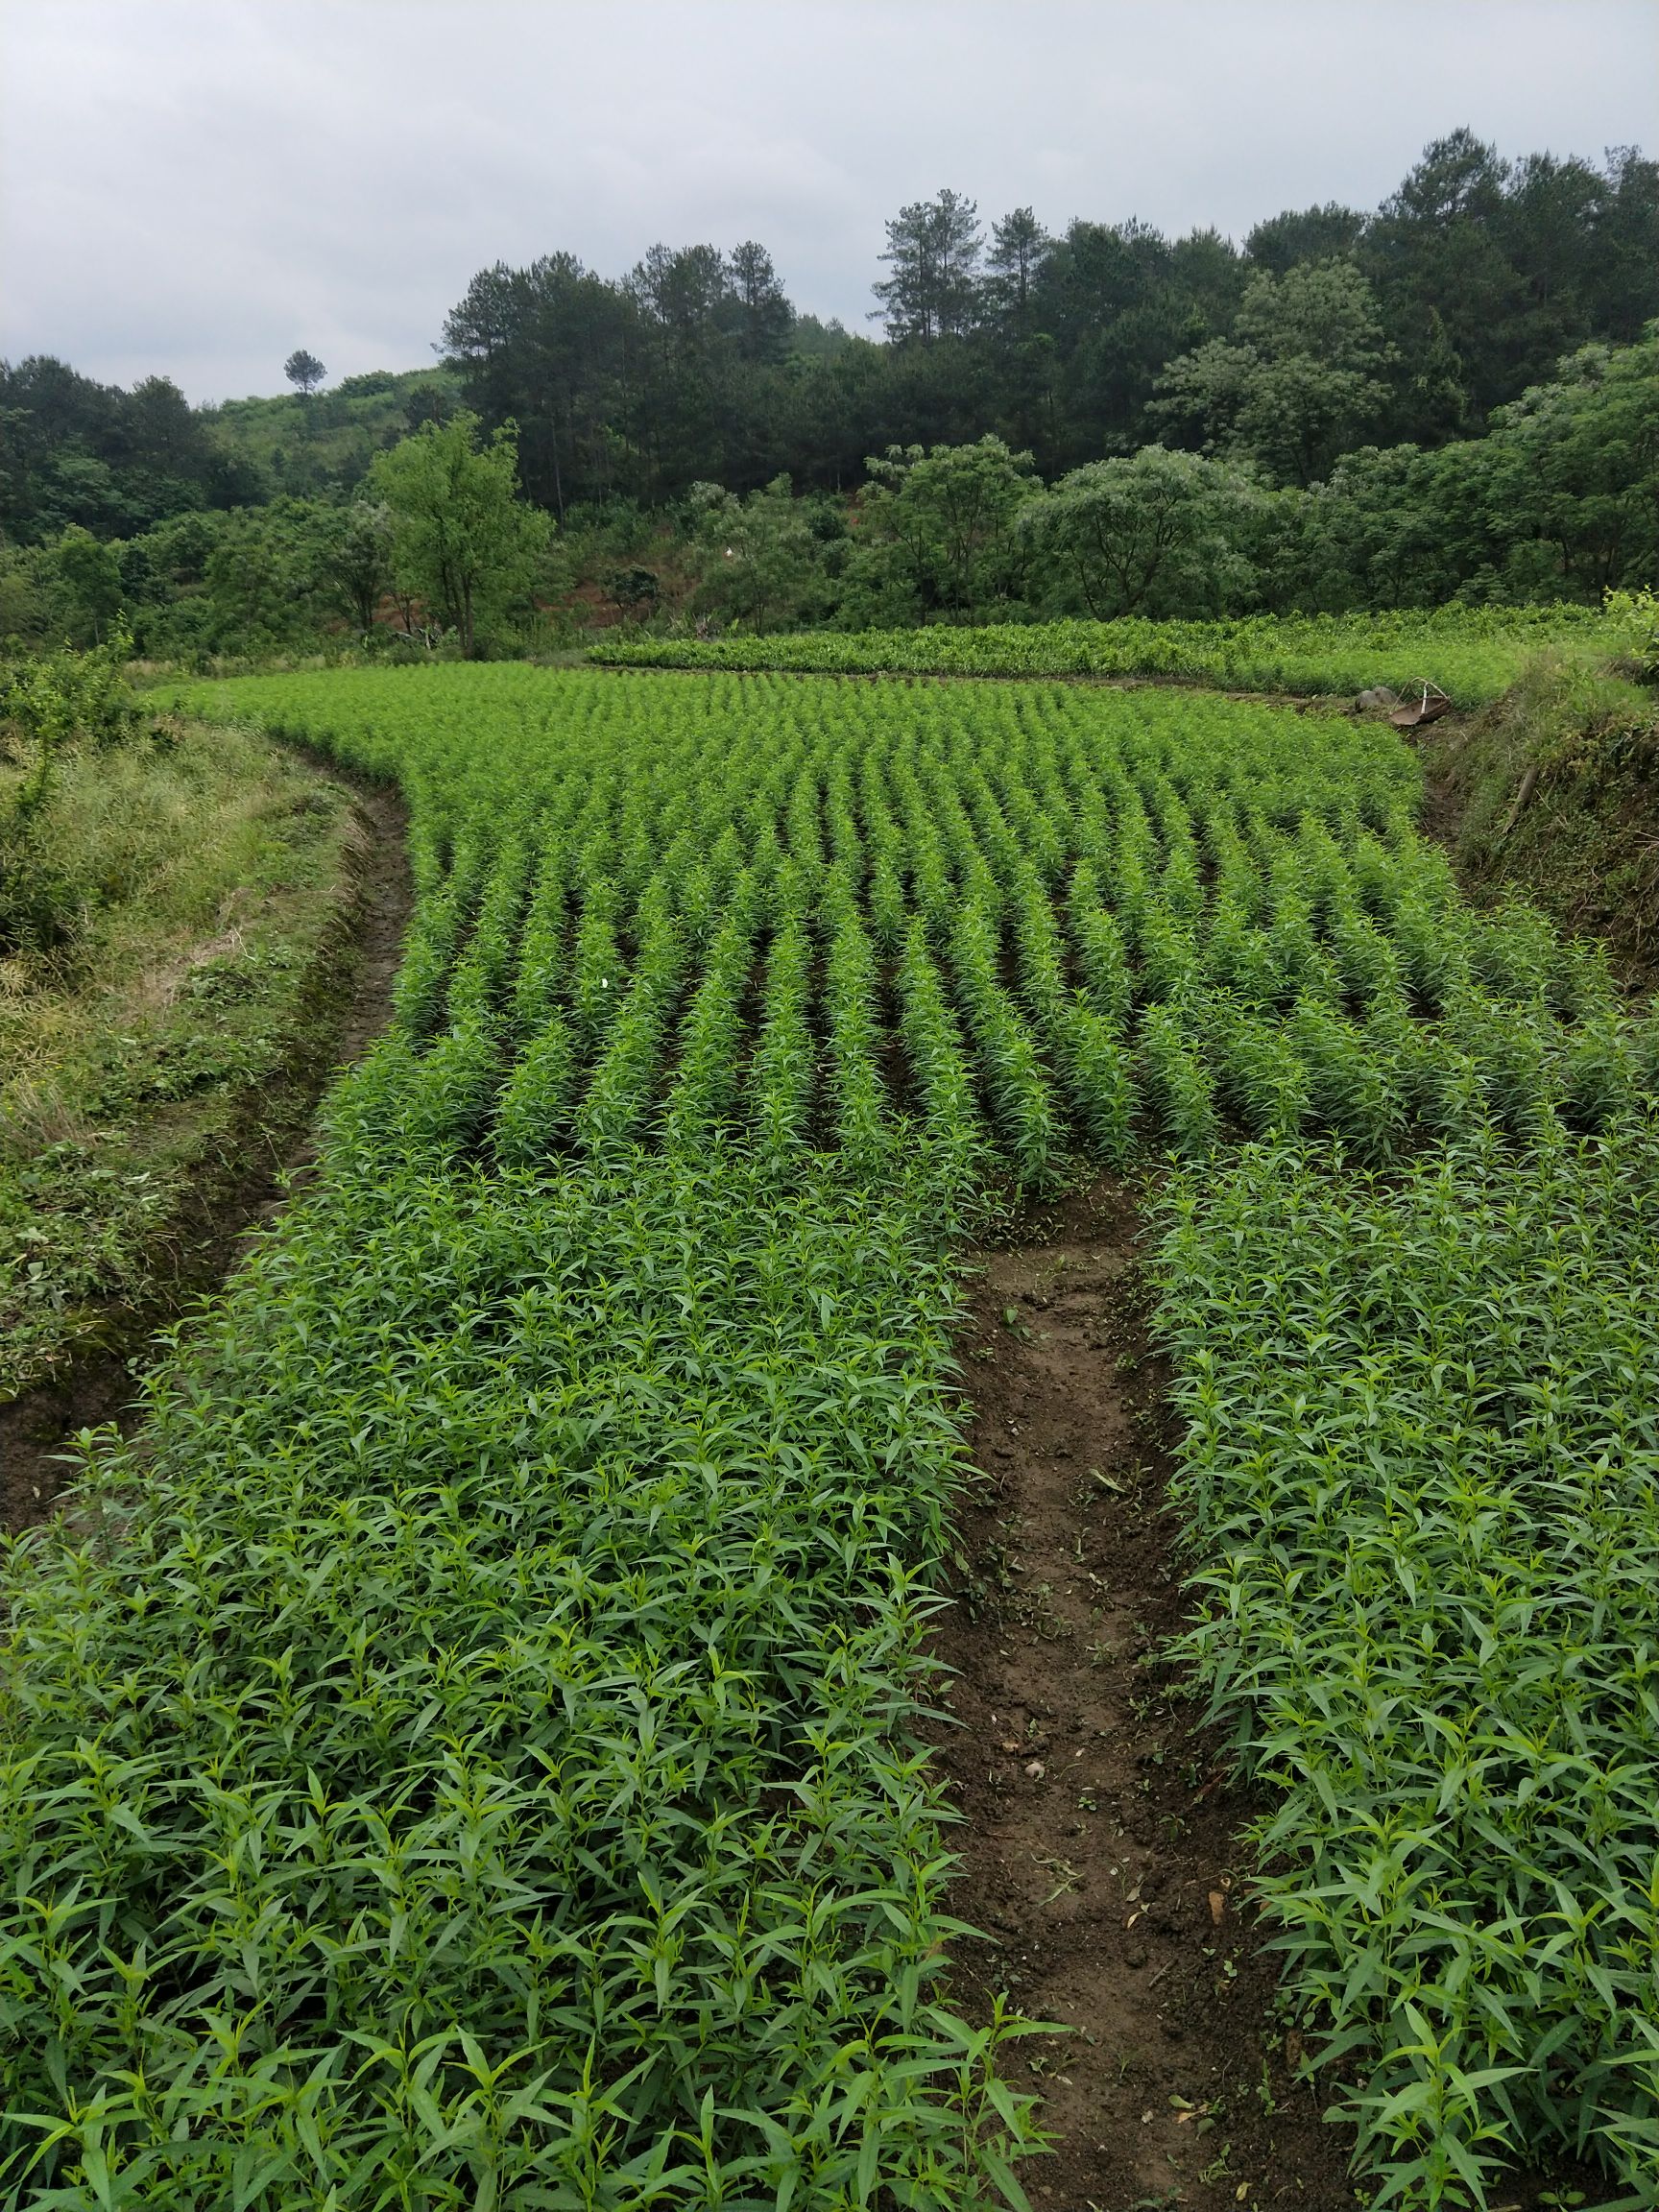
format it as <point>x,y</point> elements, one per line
<point>468,1749</point>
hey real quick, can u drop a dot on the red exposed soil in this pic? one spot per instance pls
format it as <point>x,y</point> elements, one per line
<point>346,1002</point>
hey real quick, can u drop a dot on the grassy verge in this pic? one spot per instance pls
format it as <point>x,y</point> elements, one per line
<point>154,985</point>
<point>1473,654</point>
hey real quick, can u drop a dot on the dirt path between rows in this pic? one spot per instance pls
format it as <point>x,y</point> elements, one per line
<point>348,1001</point>
<point>1100,1840</point>
<point>1102,1846</point>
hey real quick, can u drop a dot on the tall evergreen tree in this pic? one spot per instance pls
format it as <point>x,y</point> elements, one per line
<point>1019,247</point>
<point>762,316</point>
<point>933,249</point>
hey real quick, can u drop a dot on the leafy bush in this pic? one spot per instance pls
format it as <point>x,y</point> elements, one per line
<point>1436,1396</point>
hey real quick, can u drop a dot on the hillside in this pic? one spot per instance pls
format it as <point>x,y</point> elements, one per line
<point>321,444</point>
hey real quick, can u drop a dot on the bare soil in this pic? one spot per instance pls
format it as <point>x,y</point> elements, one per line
<point>346,1002</point>
<point>1100,1844</point>
<point>1102,1847</point>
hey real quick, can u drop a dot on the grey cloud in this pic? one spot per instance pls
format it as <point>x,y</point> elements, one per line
<point>197,185</point>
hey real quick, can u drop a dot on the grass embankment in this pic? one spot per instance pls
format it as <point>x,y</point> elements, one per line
<point>1552,794</point>
<point>1473,654</point>
<point>171,909</point>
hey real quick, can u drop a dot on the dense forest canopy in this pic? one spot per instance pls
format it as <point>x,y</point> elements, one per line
<point>1452,396</point>
<point>1411,323</point>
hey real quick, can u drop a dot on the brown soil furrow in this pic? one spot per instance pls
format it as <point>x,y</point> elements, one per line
<point>1104,1847</point>
<point>1100,1848</point>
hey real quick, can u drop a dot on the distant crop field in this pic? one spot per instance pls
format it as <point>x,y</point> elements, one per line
<point>1471,653</point>
<point>472,1744</point>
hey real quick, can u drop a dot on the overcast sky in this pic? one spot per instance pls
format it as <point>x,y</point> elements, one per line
<point>196,187</point>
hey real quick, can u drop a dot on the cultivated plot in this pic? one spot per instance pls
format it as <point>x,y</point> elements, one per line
<point>474,1742</point>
